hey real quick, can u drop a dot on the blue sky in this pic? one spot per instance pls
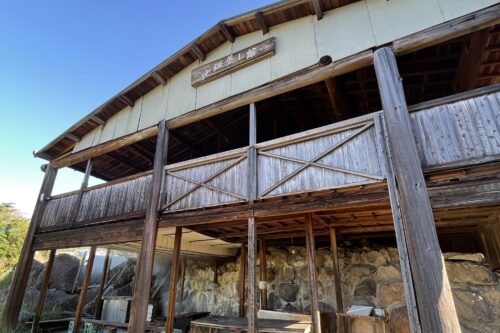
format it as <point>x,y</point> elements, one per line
<point>61,59</point>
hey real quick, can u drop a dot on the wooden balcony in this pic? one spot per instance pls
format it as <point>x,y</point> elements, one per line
<point>455,131</point>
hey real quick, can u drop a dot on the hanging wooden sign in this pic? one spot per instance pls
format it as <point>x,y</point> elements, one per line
<point>232,62</point>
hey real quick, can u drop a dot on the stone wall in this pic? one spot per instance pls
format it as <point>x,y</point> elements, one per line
<point>370,275</point>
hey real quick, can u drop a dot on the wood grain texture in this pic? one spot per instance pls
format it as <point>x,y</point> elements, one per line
<point>43,291</point>
<point>83,291</point>
<point>313,282</point>
<point>434,299</point>
<point>174,273</point>
<point>252,276</point>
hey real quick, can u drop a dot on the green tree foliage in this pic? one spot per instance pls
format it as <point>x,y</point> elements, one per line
<point>13,229</point>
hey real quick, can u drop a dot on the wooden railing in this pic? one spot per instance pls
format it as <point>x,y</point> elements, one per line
<point>460,128</point>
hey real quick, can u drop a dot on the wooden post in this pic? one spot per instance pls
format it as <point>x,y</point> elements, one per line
<point>435,301</point>
<point>102,284</point>
<point>243,260</point>
<point>411,303</point>
<point>172,291</point>
<point>17,288</point>
<point>263,272</point>
<point>311,263</point>
<point>83,291</point>
<point>85,183</point>
<point>43,291</point>
<point>144,268</point>
<point>336,271</point>
<point>252,155</point>
<point>252,276</point>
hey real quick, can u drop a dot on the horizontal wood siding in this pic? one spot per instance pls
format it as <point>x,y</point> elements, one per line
<point>463,130</point>
<point>59,211</point>
<point>182,189</point>
<point>353,160</point>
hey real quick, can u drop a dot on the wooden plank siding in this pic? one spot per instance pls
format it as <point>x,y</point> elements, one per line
<point>460,128</point>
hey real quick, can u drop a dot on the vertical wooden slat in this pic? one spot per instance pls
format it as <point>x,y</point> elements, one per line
<point>85,183</point>
<point>311,263</point>
<point>252,276</point>
<point>142,285</point>
<point>411,303</point>
<point>102,284</point>
<point>243,259</point>
<point>43,291</point>
<point>83,291</point>
<point>172,291</point>
<point>434,299</point>
<point>263,272</point>
<point>336,271</point>
<point>252,155</point>
<point>15,295</point>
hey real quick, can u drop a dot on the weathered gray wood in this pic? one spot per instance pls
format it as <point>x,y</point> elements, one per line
<point>174,273</point>
<point>336,271</point>
<point>252,276</point>
<point>434,299</point>
<point>102,284</point>
<point>14,299</point>
<point>313,283</point>
<point>144,269</point>
<point>43,291</point>
<point>83,291</point>
<point>232,62</point>
<point>252,155</point>
<point>411,303</point>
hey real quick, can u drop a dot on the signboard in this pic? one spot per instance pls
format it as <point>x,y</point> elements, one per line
<point>232,62</point>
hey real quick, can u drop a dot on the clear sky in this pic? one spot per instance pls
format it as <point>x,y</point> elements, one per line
<point>61,59</point>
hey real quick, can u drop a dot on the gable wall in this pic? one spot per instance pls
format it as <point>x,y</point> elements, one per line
<point>300,43</point>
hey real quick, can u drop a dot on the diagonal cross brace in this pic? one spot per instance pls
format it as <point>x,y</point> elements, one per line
<point>204,182</point>
<point>316,158</point>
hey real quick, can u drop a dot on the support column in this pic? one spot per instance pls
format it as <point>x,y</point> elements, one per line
<point>336,271</point>
<point>263,272</point>
<point>102,285</point>
<point>174,272</point>
<point>83,291</point>
<point>252,276</point>
<point>243,259</point>
<point>85,183</point>
<point>311,263</point>
<point>43,291</point>
<point>434,298</point>
<point>144,268</point>
<point>17,288</point>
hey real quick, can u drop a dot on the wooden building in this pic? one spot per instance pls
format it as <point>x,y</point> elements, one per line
<point>320,119</point>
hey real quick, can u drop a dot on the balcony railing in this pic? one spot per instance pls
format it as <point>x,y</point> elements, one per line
<point>460,128</point>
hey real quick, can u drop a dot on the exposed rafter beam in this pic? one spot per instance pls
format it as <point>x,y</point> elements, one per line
<point>336,100</point>
<point>215,128</point>
<point>261,21</point>
<point>226,32</point>
<point>126,100</point>
<point>159,78</point>
<point>317,9</point>
<point>97,119</point>
<point>199,53</point>
<point>72,137</point>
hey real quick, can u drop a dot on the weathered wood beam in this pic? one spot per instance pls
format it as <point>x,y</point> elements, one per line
<point>97,119</point>
<point>14,299</point>
<point>470,60</point>
<point>72,137</point>
<point>440,33</point>
<point>43,291</point>
<point>226,32</point>
<point>313,282</point>
<point>103,148</point>
<point>159,78</point>
<point>252,191</point>
<point>336,271</point>
<point>434,299</point>
<point>261,21</point>
<point>337,101</point>
<point>83,186</point>
<point>126,100</point>
<point>174,273</point>
<point>242,276</point>
<point>102,284</point>
<point>142,286</point>
<point>318,9</point>
<point>198,52</point>
<point>263,272</point>
<point>252,276</point>
<point>83,291</point>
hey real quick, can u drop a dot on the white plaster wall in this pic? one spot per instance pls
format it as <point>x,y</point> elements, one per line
<point>300,43</point>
